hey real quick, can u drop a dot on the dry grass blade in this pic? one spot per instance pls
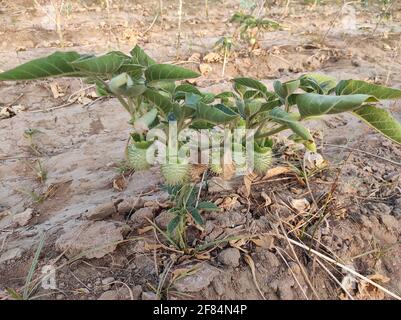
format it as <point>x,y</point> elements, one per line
<point>312,251</point>
<point>251,264</point>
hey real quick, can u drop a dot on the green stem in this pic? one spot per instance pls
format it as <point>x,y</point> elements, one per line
<point>271,132</point>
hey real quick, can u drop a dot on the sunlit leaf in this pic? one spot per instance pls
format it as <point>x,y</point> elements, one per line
<point>56,64</point>
<point>313,104</point>
<point>168,72</point>
<point>381,120</point>
<point>346,87</point>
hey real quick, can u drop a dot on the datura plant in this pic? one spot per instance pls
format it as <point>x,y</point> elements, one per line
<point>157,98</point>
<point>250,27</point>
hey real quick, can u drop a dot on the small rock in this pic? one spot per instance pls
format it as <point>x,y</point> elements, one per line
<point>129,205</point>
<point>356,61</point>
<point>23,218</point>
<point>218,287</point>
<point>106,282</point>
<point>147,295</point>
<point>93,239</point>
<point>60,297</point>
<point>230,257</point>
<point>218,184</point>
<point>109,295</point>
<point>139,216</point>
<point>136,292</point>
<point>11,254</point>
<point>301,205</point>
<point>163,219</point>
<point>101,212</point>
<point>197,281</point>
<point>397,208</point>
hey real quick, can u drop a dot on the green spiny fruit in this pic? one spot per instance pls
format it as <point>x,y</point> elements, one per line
<point>217,169</point>
<point>262,159</point>
<point>137,155</point>
<point>175,173</point>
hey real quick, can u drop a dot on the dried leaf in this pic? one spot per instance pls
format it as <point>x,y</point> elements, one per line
<point>248,179</point>
<point>367,291</point>
<point>276,172</point>
<point>264,241</point>
<point>251,264</point>
<point>145,230</point>
<point>267,199</point>
<point>212,57</point>
<point>57,90</point>
<point>120,183</point>
<point>314,160</point>
<point>300,205</point>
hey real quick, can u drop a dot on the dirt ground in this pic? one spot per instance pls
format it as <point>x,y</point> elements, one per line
<point>92,209</point>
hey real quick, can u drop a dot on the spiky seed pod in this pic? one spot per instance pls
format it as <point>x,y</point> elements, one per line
<point>262,160</point>
<point>137,155</point>
<point>216,169</point>
<point>175,173</point>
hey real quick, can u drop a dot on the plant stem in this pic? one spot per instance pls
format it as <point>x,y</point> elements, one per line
<point>224,61</point>
<point>271,132</point>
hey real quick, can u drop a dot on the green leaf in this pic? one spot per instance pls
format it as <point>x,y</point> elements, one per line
<point>173,224</point>
<point>192,100</point>
<point>313,104</point>
<point>251,83</point>
<point>161,102</point>
<point>168,72</point>
<point>140,57</point>
<point>207,206</point>
<point>196,215</point>
<point>106,64</point>
<point>135,71</point>
<point>280,116</point>
<point>285,89</point>
<point>346,87</point>
<point>217,114</point>
<point>56,64</point>
<point>381,120</point>
<point>319,83</point>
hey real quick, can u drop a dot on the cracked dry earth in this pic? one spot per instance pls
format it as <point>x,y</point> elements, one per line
<point>94,218</point>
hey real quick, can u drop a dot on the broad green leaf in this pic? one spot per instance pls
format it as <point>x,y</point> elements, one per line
<point>173,224</point>
<point>105,64</point>
<point>317,82</point>
<point>216,114</point>
<point>381,120</point>
<point>225,95</point>
<point>346,87</point>
<point>270,105</point>
<point>163,103</point>
<point>290,120</point>
<point>140,57</point>
<point>192,100</point>
<point>167,86</point>
<point>207,206</point>
<point>251,94</point>
<point>196,215</point>
<point>186,87</point>
<point>208,97</point>
<point>285,89</point>
<point>168,72</point>
<point>135,71</point>
<point>56,64</point>
<point>313,104</point>
<point>251,83</point>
